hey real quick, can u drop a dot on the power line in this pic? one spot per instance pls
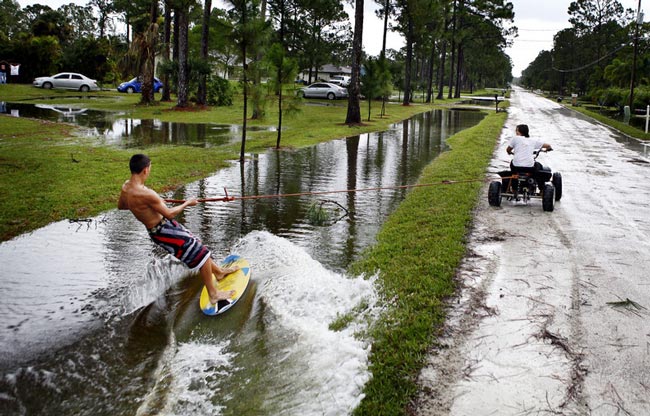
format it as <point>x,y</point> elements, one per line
<point>589,64</point>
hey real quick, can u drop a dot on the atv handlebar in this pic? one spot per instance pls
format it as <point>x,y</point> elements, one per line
<point>542,149</point>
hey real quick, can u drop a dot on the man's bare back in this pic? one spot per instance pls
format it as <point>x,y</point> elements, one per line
<point>139,200</point>
<point>147,206</point>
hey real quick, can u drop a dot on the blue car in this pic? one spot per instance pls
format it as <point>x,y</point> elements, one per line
<point>135,85</point>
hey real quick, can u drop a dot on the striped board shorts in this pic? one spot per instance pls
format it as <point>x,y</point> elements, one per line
<point>180,242</point>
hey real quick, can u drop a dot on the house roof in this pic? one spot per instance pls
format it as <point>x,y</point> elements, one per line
<point>333,69</point>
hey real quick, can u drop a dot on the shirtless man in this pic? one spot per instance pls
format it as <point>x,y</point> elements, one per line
<point>150,209</point>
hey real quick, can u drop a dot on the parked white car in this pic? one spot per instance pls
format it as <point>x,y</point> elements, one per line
<point>323,90</point>
<point>67,80</point>
<point>342,80</point>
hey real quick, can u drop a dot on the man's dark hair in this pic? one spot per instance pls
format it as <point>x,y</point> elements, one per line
<point>139,162</point>
<point>523,129</point>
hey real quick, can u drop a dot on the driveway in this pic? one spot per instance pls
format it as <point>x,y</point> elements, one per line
<point>553,314</point>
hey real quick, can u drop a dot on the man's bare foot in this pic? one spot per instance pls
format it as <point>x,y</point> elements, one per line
<point>220,273</point>
<point>221,296</point>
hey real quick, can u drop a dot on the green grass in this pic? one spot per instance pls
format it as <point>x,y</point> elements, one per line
<point>417,253</point>
<point>619,125</point>
<point>40,183</point>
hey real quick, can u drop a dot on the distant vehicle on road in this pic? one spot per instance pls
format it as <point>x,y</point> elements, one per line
<point>135,85</point>
<point>323,90</point>
<point>67,80</point>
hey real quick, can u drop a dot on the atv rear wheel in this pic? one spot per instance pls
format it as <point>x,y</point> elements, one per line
<point>548,198</point>
<point>494,194</point>
<point>557,183</point>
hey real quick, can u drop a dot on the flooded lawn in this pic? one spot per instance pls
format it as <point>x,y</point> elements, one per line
<point>97,320</point>
<point>121,130</point>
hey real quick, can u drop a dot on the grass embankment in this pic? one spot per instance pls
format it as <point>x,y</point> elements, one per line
<point>618,125</point>
<point>417,253</point>
<point>40,182</point>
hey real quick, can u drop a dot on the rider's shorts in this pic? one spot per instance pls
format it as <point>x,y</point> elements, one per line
<point>180,242</point>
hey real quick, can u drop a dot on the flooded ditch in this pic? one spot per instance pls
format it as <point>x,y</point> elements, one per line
<point>97,320</point>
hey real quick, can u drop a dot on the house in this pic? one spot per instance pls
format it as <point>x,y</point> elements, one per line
<point>325,73</point>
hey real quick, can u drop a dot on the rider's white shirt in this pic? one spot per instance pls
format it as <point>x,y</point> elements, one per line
<point>523,148</point>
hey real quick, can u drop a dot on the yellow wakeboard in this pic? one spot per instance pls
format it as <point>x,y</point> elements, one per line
<point>237,281</point>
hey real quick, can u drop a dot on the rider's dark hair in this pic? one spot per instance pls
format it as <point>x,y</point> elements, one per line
<point>138,162</point>
<point>523,130</point>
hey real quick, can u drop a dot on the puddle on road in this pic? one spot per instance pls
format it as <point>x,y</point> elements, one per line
<point>120,130</point>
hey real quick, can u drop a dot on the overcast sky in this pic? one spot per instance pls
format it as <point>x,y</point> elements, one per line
<point>538,21</point>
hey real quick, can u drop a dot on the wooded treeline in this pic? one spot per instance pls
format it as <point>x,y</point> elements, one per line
<point>595,57</point>
<point>451,45</point>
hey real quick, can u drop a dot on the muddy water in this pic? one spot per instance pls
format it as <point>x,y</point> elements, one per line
<point>121,130</point>
<point>97,320</point>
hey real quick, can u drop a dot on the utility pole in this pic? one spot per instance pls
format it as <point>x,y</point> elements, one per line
<point>639,21</point>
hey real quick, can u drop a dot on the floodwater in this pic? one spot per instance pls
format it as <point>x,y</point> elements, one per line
<point>96,320</point>
<point>119,129</point>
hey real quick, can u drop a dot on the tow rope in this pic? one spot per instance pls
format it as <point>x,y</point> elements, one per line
<point>229,198</point>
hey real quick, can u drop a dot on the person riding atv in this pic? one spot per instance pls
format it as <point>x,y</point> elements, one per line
<point>526,178</point>
<point>523,148</point>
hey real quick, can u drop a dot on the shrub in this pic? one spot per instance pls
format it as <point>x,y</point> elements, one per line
<point>219,92</point>
<point>641,97</point>
<point>611,97</point>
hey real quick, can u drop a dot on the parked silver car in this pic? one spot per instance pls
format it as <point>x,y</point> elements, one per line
<point>323,90</point>
<point>67,80</point>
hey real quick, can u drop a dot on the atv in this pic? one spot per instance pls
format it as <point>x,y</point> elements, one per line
<point>522,186</point>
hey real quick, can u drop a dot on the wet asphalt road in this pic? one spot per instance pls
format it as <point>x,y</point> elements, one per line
<point>554,312</point>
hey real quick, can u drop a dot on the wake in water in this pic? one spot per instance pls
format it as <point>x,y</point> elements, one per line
<point>276,354</point>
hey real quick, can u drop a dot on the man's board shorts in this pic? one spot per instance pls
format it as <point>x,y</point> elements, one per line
<point>180,242</point>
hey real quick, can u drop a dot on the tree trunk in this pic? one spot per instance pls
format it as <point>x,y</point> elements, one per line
<point>183,70</point>
<point>258,108</point>
<point>242,151</point>
<point>459,70</point>
<point>127,20</point>
<point>453,54</point>
<point>354,110</point>
<point>459,63</point>
<point>202,93</point>
<point>441,70</point>
<point>386,10</point>
<point>176,36</point>
<point>430,73</point>
<point>149,52</point>
<point>280,77</point>
<point>409,62</point>
<point>166,51</point>
<point>450,93</point>
<point>382,57</point>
